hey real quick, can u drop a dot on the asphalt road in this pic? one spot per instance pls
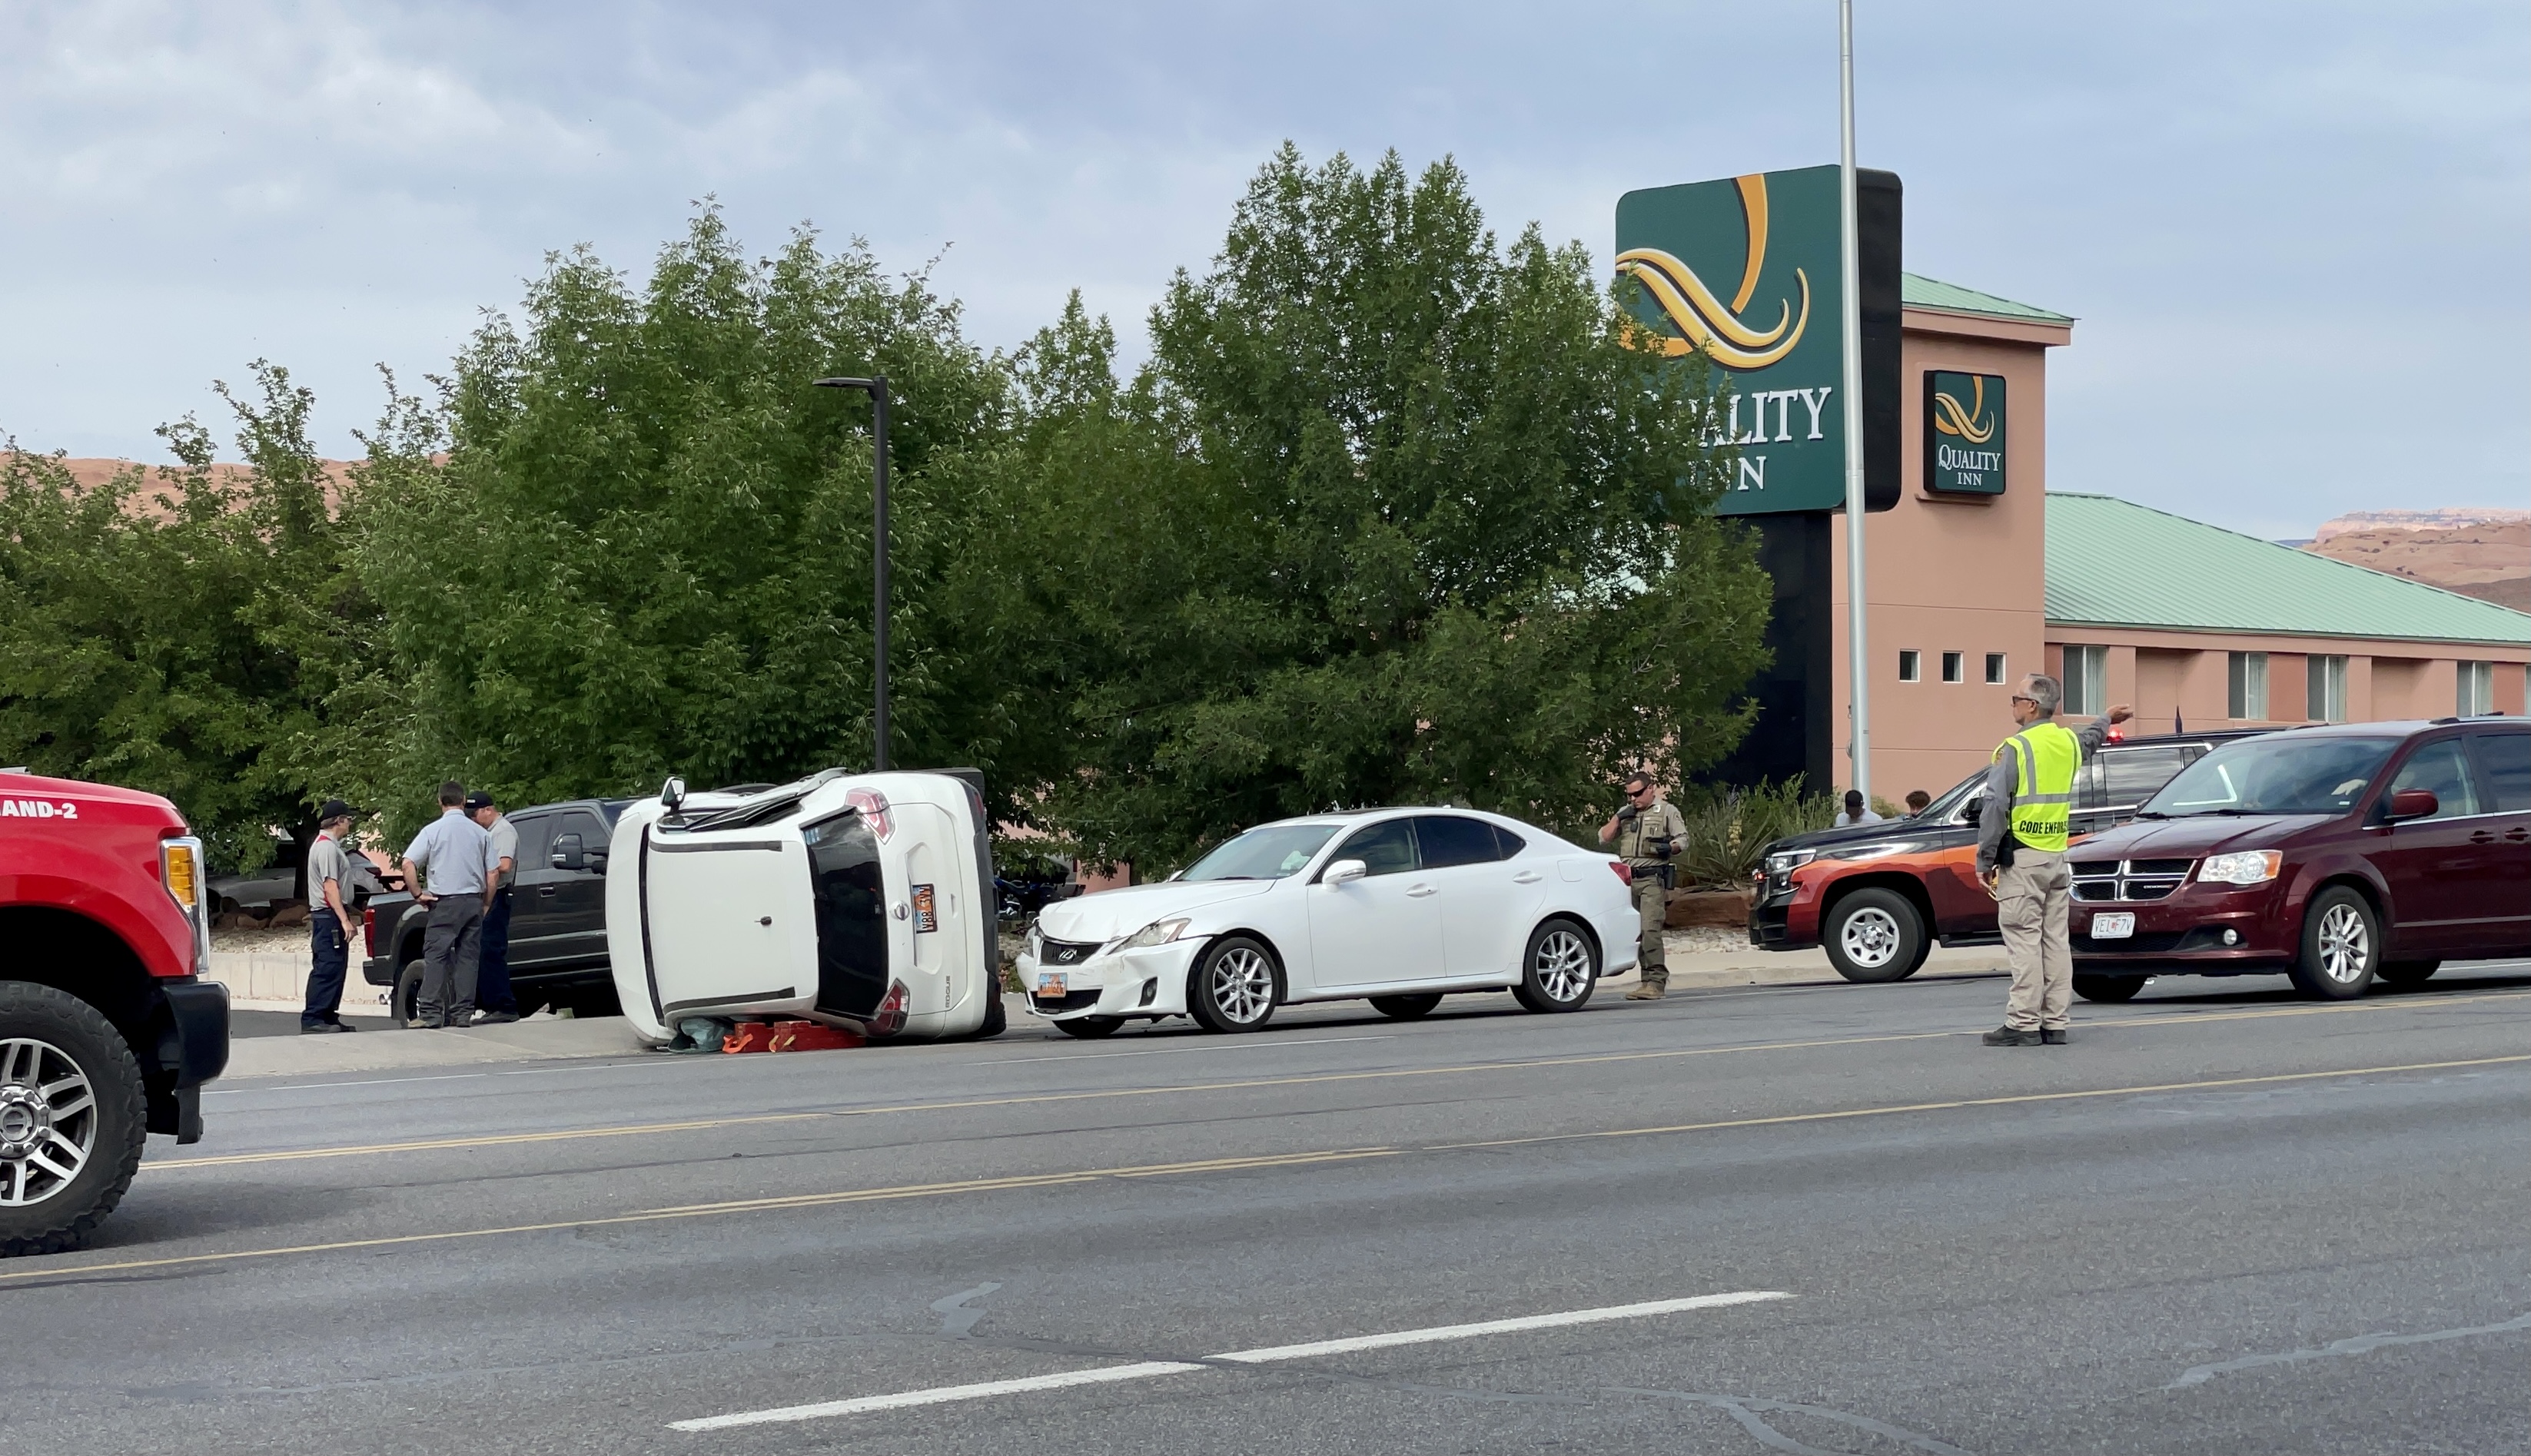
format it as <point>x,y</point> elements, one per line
<point>2223,1220</point>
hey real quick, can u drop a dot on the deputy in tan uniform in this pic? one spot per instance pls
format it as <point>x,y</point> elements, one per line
<point>1645,834</point>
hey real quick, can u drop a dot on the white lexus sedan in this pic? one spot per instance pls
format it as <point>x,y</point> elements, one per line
<point>1400,906</point>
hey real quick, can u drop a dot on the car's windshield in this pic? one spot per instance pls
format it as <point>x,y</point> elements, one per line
<point>1271,853</point>
<point>2286,773</point>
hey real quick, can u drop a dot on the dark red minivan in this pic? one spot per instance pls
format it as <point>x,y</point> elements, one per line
<point>2335,854</point>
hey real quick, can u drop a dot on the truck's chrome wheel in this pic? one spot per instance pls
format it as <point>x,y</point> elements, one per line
<point>47,1121</point>
<point>1242,985</point>
<point>1563,965</point>
<point>1870,937</point>
<point>2345,944</point>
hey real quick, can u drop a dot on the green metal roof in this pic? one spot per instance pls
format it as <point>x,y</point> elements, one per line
<point>2112,563</point>
<point>1933,293</point>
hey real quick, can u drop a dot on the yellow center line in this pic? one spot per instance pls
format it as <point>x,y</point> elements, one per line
<point>506,1140</point>
<point>1077,1176</point>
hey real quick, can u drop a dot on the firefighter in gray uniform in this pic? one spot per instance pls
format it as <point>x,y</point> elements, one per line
<point>1645,834</point>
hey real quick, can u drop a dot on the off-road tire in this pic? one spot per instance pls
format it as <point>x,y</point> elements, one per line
<point>1089,1028</point>
<point>403,1004</point>
<point>1406,1008</point>
<point>1235,985</point>
<point>1550,978</point>
<point>2342,946</point>
<point>2408,972</point>
<point>115,1129</point>
<point>1874,936</point>
<point>2109,989</point>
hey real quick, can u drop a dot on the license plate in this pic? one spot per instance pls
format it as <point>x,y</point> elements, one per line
<point>1051,983</point>
<point>2113,927</point>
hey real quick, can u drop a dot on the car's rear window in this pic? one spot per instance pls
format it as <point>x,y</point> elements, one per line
<point>2284,773</point>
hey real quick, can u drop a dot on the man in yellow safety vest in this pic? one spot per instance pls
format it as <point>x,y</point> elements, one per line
<point>2028,806</point>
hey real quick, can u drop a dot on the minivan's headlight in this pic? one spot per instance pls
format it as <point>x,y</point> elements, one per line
<point>1158,933</point>
<point>2245,867</point>
<point>1785,862</point>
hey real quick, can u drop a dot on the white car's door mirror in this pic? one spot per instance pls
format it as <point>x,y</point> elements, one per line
<point>1344,871</point>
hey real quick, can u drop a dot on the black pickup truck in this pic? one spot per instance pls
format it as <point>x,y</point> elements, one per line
<point>557,917</point>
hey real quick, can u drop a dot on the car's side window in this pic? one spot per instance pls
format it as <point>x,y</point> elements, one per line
<point>1385,847</point>
<point>2130,776</point>
<point>2440,769</point>
<point>2089,791</point>
<point>2505,758</point>
<point>1446,839</point>
<point>1506,843</point>
<point>536,839</point>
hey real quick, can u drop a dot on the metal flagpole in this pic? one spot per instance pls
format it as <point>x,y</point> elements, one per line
<point>1850,259</point>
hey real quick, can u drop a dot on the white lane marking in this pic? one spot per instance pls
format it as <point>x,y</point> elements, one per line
<point>1266,1355</point>
<point>1093,1057</point>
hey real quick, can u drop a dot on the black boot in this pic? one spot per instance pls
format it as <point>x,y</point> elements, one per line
<point>2052,1037</point>
<point>2008,1037</point>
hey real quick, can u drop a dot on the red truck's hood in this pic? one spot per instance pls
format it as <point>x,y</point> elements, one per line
<point>2198,835</point>
<point>38,789</point>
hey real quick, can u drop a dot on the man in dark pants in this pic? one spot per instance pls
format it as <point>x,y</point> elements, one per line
<point>448,865</point>
<point>329,925</point>
<point>492,999</point>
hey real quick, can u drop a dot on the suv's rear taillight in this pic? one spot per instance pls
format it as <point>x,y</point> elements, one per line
<point>1625,877</point>
<point>369,930</point>
<point>889,1019</point>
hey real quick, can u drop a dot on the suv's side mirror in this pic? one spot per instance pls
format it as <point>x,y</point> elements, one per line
<point>2412,803</point>
<point>1344,871</point>
<point>567,853</point>
<point>672,793</point>
<point>596,860</point>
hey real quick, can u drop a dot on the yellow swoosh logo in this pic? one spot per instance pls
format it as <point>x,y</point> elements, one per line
<point>1707,325</point>
<point>1952,420</point>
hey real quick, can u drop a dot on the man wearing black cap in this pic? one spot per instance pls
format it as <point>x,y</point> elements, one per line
<point>329,874</point>
<point>494,1002</point>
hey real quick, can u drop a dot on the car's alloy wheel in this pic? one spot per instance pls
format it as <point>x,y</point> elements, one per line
<point>47,1121</point>
<point>1234,987</point>
<point>2341,945</point>
<point>1558,969</point>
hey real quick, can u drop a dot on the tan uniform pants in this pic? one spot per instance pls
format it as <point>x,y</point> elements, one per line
<point>2032,902</point>
<point>1652,906</point>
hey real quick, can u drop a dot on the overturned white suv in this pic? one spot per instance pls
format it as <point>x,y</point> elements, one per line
<point>860,900</point>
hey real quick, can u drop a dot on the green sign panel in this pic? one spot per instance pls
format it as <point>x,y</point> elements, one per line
<point>1963,432</point>
<point>1745,271</point>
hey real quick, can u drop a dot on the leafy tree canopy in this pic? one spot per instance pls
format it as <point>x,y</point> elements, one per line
<point>1394,514</point>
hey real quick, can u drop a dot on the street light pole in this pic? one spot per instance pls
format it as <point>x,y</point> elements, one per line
<point>877,387</point>
<point>1849,246</point>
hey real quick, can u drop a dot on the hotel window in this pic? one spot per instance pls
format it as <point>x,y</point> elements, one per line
<point>2477,683</point>
<point>1956,668</point>
<point>2249,687</point>
<point>2087,680</point>
<point>2325,689</point>
<point>1995,668</point>
<point>1911,665</point>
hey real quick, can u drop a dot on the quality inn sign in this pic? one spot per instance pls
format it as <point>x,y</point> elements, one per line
<point>1745,272</point>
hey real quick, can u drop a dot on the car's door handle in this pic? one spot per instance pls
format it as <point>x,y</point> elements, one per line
<point>1419,891</point>
<point>544,890</point>
<point>2481,836</point>
<point>2518,833</point>
<point>1527,877</point>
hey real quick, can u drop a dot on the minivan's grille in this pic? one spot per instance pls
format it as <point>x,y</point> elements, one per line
<point>2128,879</point>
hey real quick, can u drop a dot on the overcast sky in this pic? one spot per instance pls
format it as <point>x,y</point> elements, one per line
<point>2296,235</point>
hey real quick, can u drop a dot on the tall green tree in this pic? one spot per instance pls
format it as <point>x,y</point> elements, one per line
<point>648,550</point>
<point>1393,513</point>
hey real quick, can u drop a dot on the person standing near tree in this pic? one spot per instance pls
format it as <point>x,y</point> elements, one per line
<point>329,926</point>
<point>449,865</point>
<point>1644,834</point>
<point>2023,825</point>
<point>492,999</point>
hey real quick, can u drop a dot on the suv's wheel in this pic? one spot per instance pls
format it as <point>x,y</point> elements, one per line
<point>1406,1008</point>
<point>2341,945</point>
<point>1089,1028</point>
<point>72,1119</point>
<point>1558,969</point>
<point>1875,934</point>
<point>2111,988</point>
<point>2409,973</point>
<point>1234,986</point>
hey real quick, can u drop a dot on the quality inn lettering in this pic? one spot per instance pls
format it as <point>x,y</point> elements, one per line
<point>1963,432</point>
<point>1744,270</point>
